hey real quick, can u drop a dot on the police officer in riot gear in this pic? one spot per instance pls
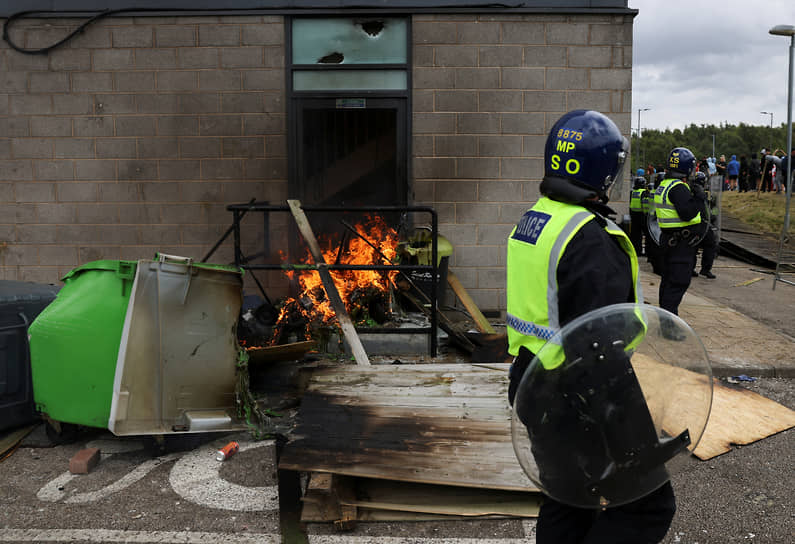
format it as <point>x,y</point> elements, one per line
<point>565,257</point>
<point>709,243</point>
<point>679,211</point>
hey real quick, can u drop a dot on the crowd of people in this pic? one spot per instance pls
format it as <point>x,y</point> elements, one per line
<point>763,172</point>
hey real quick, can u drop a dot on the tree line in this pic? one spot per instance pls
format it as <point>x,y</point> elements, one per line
<point>655,145</point>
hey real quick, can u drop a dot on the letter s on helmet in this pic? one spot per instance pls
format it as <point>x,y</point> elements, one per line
<point>681,162</point>
<point>585,147</point>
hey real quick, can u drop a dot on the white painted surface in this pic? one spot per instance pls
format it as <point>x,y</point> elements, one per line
<point>136,537</point>
<point>195,477</point>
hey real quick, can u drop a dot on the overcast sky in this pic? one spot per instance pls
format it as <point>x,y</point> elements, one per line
<point>709,61</point>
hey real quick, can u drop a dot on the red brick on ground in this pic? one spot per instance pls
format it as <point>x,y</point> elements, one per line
<point>83,461</point>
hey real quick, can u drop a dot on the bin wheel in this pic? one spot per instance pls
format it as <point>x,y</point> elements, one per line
<point>61,433</point>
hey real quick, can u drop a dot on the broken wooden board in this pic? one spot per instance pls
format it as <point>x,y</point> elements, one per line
<point>481,322</point>
<point>738,416</point>
<point>286,352</point>
<point>438,424</point>
<point>450,425</point>
<point>314,513</point>
<point>489,348</point>
<point>10,441</point>
<point>348,330</point>
<point>381,495</point>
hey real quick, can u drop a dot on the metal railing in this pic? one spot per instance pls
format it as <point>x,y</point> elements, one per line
<point>242,261</point>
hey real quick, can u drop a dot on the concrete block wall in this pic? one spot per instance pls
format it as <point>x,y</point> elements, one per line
<point>133,138</point>
<point>486,91</point>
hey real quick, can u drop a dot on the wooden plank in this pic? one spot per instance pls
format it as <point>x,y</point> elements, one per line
<point>408,425</point>
<point>348,330</point>
<point>441,499</point>
<point>481,322</point>
<point>312,513</point>
<point>285,352</point>
<point>375,422</point>
<point>11,440</point>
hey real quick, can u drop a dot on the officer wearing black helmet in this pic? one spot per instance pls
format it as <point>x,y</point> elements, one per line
<point>679,211</point>
<point>565,257</point>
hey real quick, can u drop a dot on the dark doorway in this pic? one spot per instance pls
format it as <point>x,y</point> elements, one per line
<point>351,152</point>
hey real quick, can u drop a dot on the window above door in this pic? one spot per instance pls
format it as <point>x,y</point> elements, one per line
<point>349,54</point>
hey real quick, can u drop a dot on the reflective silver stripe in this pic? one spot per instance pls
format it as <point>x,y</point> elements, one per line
<point>665,207</point>
<point>669,220</point>
<point>528,328</point>
<point>552,267</point>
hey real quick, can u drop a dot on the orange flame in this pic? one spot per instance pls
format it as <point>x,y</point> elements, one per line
<point>313,303</point>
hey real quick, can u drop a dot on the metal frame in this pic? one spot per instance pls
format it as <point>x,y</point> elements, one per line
<point>295,99</point>
<point>239,210</point>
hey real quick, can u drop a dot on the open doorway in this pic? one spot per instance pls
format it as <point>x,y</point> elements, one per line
<point>351,152</point>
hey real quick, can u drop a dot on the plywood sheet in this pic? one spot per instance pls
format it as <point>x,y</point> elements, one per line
<point>437,499</point>
<point>327,496</point>
<point>738,416</point>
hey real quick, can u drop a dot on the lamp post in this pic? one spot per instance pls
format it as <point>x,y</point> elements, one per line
<point>640,110</point>
<point>770,113</point>
<point>786,30</point>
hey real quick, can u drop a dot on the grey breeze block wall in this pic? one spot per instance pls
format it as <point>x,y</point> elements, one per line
<point>487,89</point>
<point>135,136</point>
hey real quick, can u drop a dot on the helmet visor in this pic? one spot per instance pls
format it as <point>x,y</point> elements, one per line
<point>621,159</point>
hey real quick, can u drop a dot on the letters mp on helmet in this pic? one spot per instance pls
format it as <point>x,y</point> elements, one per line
<point>629,388</point>
<point>587,148</point>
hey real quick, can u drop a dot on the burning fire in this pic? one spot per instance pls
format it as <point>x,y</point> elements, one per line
<point>357,288</point>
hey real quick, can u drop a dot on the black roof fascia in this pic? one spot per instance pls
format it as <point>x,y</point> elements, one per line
<point>49,8</point>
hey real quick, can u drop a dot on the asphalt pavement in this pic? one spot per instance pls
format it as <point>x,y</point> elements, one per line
<point>178,492</point>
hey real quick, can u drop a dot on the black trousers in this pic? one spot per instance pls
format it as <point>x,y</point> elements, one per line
<point>677,269</point>
<point>637,230</point>
<point>709,250</point>
<point>644,521</point>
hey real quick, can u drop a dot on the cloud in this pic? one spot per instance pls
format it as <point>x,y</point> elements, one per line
<point>708,62</point>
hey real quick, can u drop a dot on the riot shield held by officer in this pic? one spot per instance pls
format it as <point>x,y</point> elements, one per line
<point>565,257</point>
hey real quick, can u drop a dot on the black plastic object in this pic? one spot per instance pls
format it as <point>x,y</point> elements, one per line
<point>20,303</point>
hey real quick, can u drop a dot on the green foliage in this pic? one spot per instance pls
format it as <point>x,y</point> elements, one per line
<point>742,139</point>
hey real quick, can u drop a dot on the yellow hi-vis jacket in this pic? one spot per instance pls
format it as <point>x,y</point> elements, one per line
<point>636,200</point>
<point>535,248</point>
<point>667,216</point>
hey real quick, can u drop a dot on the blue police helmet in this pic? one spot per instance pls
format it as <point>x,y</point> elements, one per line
<point>681,162</point>
<point>585,147</point>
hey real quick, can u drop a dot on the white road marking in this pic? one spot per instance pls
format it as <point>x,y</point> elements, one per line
<point>136,537</point>
<point>196,478</point>
<point>342,539</point>
<point>196,537</point>
<point>53,491</point>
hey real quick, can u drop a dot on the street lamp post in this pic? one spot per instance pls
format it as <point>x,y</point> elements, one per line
<point>770,113</point>
<point>640,110</point>
<point>786,30</point>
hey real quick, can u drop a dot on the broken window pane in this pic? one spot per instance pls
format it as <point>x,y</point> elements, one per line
<point>350,41</point>
<point>347,80</point>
